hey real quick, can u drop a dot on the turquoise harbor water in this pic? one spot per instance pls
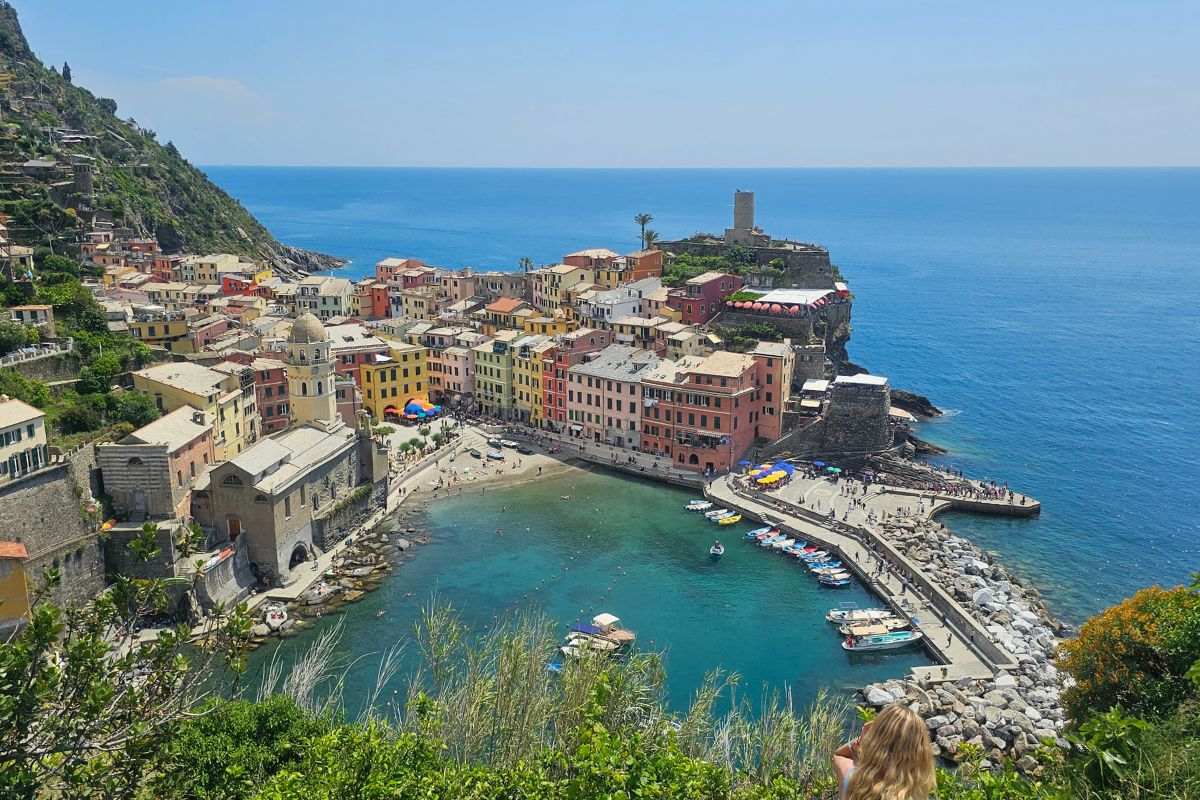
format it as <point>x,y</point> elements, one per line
<point>1055,313</point>
<point>624,546</point>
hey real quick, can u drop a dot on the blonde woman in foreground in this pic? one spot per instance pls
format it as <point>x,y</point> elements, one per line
<point>892,760</point>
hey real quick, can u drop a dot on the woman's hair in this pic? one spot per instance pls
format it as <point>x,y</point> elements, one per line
<point>895,760</point>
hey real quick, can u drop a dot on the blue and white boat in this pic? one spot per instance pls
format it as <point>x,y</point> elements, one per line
<point>754,533</point>
<point>832,582</point>
<point>816,555</point>
<point>816,565</point>
<point>780,544</point>
<point>698,505</point>
<point>830,572</point>
<point>717,513</point>
<point>771,540</point>
<point>881,641</point>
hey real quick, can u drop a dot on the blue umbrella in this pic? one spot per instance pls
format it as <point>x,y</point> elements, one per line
<point>743,463</point>
<point>818,463</point>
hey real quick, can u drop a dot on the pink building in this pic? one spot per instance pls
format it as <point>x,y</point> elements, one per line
<point>699,299</point>
<point>572,349</point>
<point>390,268</point>
<point>604,395</point>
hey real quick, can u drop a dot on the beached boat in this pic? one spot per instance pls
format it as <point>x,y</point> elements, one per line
<point>475,453</point>
<point>730,520</point>
<point>833,582</point>
<point>850,612</point>
<point>509,443</point>
<point>493,441</point>
<point>881,641</point>
<point>698,505</point>
<point>717,549</point>
<point>495,455</point>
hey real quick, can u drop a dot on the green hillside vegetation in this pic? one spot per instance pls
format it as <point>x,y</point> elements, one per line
<point>481,717</point>
<point>146,185</point>
<point>88,408</point>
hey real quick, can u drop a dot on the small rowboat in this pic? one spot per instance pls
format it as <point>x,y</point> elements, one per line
<point>762,537</point>
<point>718,512</point>
<point>698,505</point>
<point>836,583</point>
<point>817,555</point>
<point>717,550</point>
<point>495,455</point>
<point>730,520</point>
<point>824,565</point>
<point>475,453</point>
<point>780,544</point>
<point>771,540</point>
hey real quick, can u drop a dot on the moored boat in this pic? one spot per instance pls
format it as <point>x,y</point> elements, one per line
<point>815,565</point>
<point>779,544</point>
<point>603,626</point>
<point>698,505</point>
<point>830,572</point>
<point>881,641</point>
<point>850,612</point>
<point>718,512</point>
<point>767,541</point>
<point>730,520</point>
<point>881,625</point>
<point>763,530</point>
<point>832,581</point>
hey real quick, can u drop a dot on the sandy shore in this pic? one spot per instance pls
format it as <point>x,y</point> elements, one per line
<point>465,474</point>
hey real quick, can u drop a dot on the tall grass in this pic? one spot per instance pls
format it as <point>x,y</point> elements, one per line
<point>490,700</point>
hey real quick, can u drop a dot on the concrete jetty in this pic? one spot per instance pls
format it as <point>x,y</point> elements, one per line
<point>956,640</point>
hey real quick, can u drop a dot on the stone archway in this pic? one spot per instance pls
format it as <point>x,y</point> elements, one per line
<point>693,459</point>
<point>299,556</point>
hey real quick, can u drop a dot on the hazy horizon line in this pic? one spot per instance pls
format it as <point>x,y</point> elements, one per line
<point>843,167</point>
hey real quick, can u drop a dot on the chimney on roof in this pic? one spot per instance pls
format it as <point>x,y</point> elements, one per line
<point>198,417</point>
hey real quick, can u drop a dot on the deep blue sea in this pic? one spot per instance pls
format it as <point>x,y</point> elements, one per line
<point>1054,313</point>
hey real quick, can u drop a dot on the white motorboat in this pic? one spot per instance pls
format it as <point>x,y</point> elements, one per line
<point>881,641</point>
<point>698,505</point>
<point>850,612</point>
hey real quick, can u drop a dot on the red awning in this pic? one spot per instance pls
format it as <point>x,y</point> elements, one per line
<point>390,410</point>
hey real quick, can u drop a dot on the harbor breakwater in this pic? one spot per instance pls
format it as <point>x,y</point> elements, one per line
<point>1010,714</point>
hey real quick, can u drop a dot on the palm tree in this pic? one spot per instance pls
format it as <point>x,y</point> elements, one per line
<point>643,219</point>
<point>649,239</point>
<point>526,264</point>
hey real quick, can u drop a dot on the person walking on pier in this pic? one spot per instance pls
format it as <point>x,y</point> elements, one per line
<point>892,760</point>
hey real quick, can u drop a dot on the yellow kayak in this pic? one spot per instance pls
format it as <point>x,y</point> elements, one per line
<point>730,520</point>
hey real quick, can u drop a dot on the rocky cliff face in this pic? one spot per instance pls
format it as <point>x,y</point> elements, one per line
<point>92,164</point>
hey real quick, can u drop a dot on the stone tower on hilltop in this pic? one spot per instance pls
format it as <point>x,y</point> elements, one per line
<point>310,372</point>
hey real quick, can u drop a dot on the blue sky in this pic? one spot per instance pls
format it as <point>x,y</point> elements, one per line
<point>656,83</point>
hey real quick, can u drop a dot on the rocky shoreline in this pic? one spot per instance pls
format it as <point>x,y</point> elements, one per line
<point>1009,716</point>
<point>360,569</point>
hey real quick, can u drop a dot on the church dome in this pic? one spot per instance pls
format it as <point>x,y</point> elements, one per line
<point>307,329</point>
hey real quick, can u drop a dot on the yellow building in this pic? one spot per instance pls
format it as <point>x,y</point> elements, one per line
<point>494,373</point>
<point>169,331</point>
<point>225,391</point>
<point>22,439</point>
<point>14,589</point>
<point>391,382</point>
<point>527,377</point>
<point>420,302</point>
<point>561,321</point>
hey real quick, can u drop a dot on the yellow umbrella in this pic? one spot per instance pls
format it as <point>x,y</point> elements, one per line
<point>778,475</point>
<point>764,480</point>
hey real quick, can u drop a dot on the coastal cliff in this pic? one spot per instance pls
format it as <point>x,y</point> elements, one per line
<point>67,159</point>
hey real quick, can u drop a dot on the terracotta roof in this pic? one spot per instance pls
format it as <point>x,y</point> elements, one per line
<point>13,550</point>
<point>506,305</point>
